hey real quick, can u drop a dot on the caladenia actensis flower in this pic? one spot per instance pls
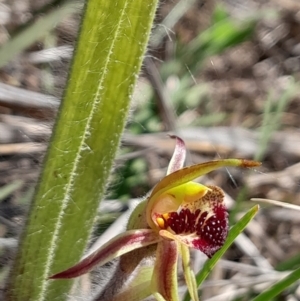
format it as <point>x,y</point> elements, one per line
<point>179,214</point>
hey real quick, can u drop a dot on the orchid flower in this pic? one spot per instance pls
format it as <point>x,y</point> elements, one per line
<point>179,214</point>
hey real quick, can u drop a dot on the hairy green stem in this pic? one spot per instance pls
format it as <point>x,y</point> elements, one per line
<point>107,60</point>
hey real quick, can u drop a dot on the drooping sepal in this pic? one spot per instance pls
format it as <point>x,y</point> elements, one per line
<point>164,278</point>
<point>119,245</point>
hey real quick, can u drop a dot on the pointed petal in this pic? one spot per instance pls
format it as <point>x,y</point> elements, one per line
<point>189,275</point>
<point>164,278</point>
<point>187,174</point>
<point>119,245</point>
<point>178,158</point>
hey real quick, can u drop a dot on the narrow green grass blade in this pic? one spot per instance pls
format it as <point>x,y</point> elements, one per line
<point>278,287</point>
<point>34,32</point>
<point>233,233</point>
<point>108,56</point>
<point>217,38</point>
<point>272,117</point>
<point>8,189</point>
<point>289,264</point>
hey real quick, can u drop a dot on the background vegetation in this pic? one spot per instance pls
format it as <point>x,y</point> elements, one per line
<point>221,74</point>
